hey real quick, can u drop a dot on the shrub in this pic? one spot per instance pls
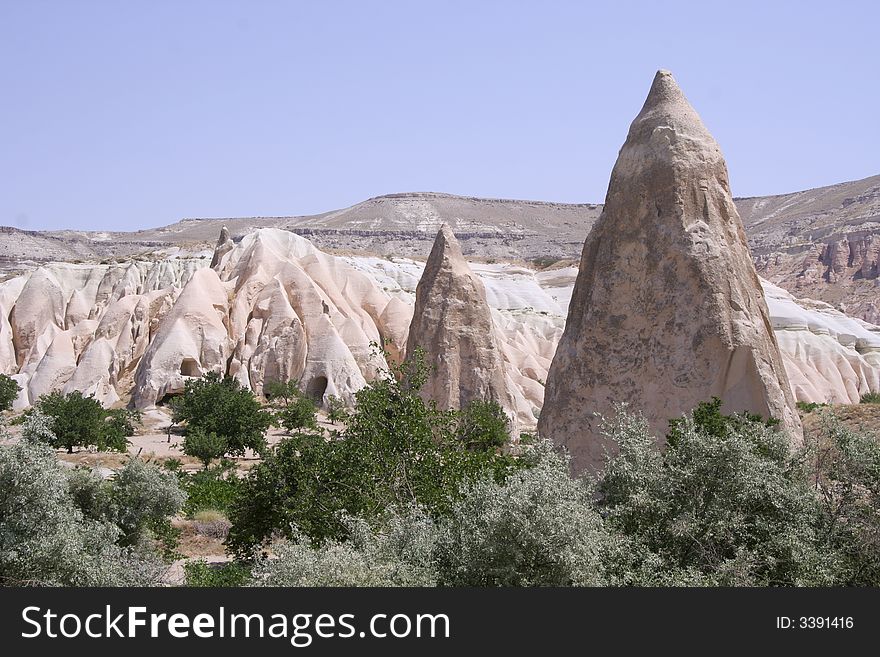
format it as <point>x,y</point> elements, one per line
<point>45,539</point>
<point>209,522</point>
<point>395,552</point>
<point>725,504</point>
<point>36,427</point>
<point>9,390</point>
<point>119,425</point>
<point>298,413</point>
<point>200,573</point>
<point>211,489</point>
<point>281,391</point>
<point>336,411</point>
<point>847,476</point>
<point>538,528</point>
<point>483,426</point>
<point>140,500</point>
<point>870,398</point>
<point>808,407</point>
<point>225,408</point>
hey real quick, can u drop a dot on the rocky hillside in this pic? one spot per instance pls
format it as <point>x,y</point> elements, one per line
<point>821,243</point>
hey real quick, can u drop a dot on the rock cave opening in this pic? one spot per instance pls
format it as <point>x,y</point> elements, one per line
<point>316,389</point>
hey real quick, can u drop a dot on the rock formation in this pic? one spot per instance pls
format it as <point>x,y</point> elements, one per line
<point>667,310</point>
<point>279,308</point>
<point>453,323</point>
<point>224,246</point>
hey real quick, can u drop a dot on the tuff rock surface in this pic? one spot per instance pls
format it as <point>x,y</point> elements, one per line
<point>667,310</point>
<point>452,322</point>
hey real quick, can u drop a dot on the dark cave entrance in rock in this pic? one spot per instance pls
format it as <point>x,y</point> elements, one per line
<point>316,388</point>
<point>189,367</point>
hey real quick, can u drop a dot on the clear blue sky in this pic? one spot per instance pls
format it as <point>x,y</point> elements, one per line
<point>128,114</point>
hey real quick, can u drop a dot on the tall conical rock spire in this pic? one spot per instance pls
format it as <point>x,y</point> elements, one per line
<point>667,310</point>
<point>452,323</point>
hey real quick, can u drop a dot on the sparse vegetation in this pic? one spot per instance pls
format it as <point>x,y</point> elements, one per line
<point>870,398</point>
<point>809,407</point>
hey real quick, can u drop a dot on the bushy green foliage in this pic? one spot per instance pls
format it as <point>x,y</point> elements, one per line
<point>78,421</point>
<point>336,411</point>
<point>212,488</point>
<point>46,539</point>
<point>225,408</point>
<point>36,427</point>
<point>199,573</point>
<point>396,450</point>
<point>140,500</point>
<point>204,446</point>
<point>725,503</point>
<point>847,475</point>
<point>483,426</point>
<point>119,425</point>
<point>295,411</point>
<point>538,528</point>
<point>870,398</point>
<point>396,552</point>
<point>9,390</point>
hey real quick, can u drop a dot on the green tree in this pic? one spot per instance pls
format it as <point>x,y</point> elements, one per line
<point>79,421</point>
<point>483,425</point>
<point>846,472</point>
<point>336,411</point>
<point>225,408</point>
<point>299,415</point>
<point>296,412</point>
<point>118,426</point>
<point>396,450</point>
<point>204,446</point>
<point>725,503</point>
<point>140,500</point>
<point>281,391</point>
<point>9,390</point>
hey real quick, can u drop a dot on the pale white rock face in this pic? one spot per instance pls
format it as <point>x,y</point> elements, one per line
<point>667,310</point>
<point>299,313</point>
<point>829,356</point>
<point>53,318</point>
<point>191,341</point>
<point>295,312</point>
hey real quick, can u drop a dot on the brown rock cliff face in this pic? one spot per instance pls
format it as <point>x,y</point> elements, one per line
<point>453,323</point>
<point>667,309</point>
